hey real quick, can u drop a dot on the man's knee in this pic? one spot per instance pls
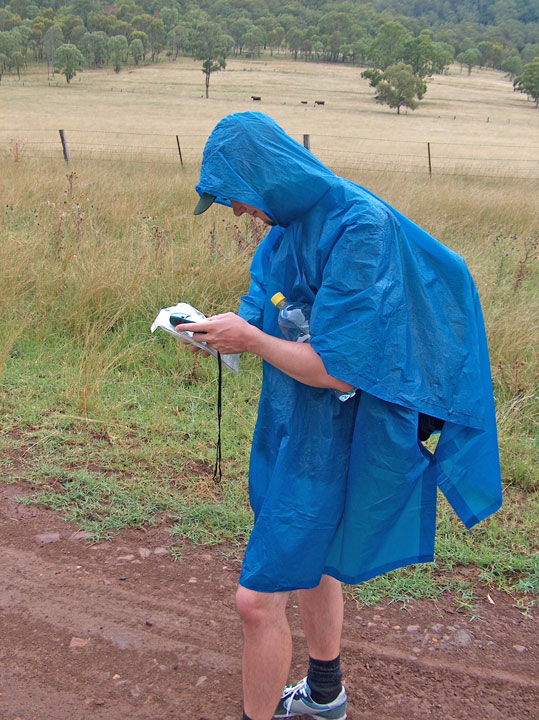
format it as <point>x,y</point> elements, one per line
<point>251,605</point>
<point>256,608</point>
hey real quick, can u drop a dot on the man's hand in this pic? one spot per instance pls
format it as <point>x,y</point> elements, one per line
<point>227,333</point>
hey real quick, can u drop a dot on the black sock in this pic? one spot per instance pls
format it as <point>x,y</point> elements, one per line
<point>324,678</point>
<point>245,716</point>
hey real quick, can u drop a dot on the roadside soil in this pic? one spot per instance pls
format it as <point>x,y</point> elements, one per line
<point>120,631</point>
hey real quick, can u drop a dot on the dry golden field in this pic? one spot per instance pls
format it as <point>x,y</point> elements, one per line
<point>475,124</point>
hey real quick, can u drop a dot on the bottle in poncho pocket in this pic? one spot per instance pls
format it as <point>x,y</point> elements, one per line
<point>293,319</point>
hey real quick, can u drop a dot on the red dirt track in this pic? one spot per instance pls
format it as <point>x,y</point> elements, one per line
<point>120,631</point>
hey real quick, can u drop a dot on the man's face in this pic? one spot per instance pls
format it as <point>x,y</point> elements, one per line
<point>240,208</point>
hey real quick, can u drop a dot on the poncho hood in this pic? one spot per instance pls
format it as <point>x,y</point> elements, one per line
<point>250,159</point>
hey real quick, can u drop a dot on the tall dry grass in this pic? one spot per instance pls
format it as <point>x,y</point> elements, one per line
<point>91,254</point>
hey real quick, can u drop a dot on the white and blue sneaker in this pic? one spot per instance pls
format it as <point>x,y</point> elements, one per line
<point>297,701</point>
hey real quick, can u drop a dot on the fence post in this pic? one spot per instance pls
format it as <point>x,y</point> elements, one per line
<point>307,142</point>
<point>179,149</point>
<point>430,164</point>
<point>64,146</point>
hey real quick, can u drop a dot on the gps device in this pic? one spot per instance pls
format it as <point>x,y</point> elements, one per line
<point>178,319</point>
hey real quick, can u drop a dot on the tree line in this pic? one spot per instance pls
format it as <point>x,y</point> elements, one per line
<point>423,35</point>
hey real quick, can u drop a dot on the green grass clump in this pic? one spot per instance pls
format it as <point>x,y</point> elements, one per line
<point>99,502</point>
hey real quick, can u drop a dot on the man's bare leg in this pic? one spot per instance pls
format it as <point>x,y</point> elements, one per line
<point>322,611</point>
<point>267,650</point>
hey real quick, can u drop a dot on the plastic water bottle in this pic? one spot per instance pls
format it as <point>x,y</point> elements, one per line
<point>293,318</point>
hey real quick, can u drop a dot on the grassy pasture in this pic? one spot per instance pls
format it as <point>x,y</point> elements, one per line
<point>115,427</point>
<point>474,123</point>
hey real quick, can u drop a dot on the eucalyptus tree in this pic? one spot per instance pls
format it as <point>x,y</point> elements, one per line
<point>469,58</point>
<point>238,28</point>
<point>102,21</point>
<point>8,20</point>
<point>18,62</point>
<point>136,49</point>
<point>512,65</point>
<point>276,38</point>
<point>8,46</point>
<point>170,17</point>
<point>39,26</point>
<point>268,24</point>
<point>142,22</point>
<point>53,38</point>
<point>127,9</point>
<point>529,52</point>
<point>117,48</point>
<point>82,8</point>
<point>69,24</point>
<point>388,46</point>
<point>294,40</point>
<point>211,45</point>
<point>254,40</point>
<point>491,54</point>
<point>144,39</point>
<point>94,47</point>
<point>420,53</point>
<point>444,54</point>
<point>157,36</point>
<point>68,60</point>
<point>177,40</point>
<point>398,86</point>
<point>24,34</point>
<point>528,81</point>
<point>333,45</point>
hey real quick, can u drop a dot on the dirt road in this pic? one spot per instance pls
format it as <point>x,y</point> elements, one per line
<point>120,631</point>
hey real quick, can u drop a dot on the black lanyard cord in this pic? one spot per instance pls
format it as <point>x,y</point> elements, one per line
<point>217,474</point>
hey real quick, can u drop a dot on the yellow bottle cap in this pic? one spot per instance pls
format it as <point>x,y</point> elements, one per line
<point>277,298</point>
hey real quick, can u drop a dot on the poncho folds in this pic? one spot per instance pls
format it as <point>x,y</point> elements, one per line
<point>345,488</point>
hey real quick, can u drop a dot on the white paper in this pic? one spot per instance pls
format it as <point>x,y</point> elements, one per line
<point>232,362</point>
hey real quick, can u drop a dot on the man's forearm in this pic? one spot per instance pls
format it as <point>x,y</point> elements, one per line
<point>298,360</point>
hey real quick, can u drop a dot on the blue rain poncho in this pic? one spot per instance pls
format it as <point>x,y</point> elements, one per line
<point>346,488</point>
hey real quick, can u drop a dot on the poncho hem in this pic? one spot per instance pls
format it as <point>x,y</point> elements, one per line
<point>347,579</point>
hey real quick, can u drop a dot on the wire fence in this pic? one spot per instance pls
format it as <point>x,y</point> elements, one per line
<point>342,153</point>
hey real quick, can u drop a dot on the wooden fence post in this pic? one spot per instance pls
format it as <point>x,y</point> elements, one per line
<point>64,146</point>
<point>179,149</point>
<point>307,142</point>
<point>430,164</point>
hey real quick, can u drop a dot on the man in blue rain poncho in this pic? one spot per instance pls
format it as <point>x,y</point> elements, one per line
<point>343,490</point>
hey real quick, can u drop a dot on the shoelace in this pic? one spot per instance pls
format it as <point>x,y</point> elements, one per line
<point>299,689</point>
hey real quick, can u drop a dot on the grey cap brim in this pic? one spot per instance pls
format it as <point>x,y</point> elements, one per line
<point>206,200</point>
